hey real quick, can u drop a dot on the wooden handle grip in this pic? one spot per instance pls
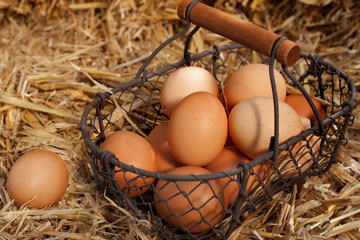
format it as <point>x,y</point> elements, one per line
<point>240,31</point>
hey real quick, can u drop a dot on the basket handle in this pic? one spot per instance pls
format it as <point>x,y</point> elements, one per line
<point>240,31</point>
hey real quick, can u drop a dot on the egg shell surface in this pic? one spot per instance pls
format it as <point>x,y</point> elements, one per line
<point>306,122</point>
<point>197,129</point>
<point>252,80</point>
<point>132,149</point>
<point>164,160</point>
<point>251,124</point>
<point>168,200</point>
<point>158,135</point>
<point>228,159</point>
<point>37,178</point>
<point>303,108</point>
<point>184,81</point>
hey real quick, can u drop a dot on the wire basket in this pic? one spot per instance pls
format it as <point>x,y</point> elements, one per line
<point>135,106</point>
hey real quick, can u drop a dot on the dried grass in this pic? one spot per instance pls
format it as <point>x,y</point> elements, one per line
<point>55,55</point>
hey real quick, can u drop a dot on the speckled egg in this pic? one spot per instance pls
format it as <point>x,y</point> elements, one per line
<point>251,124</point>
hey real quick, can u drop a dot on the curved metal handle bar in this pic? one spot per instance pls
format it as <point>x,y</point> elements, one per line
<point>274,143</point>
<point>187,44</point>
<point>308,98</point>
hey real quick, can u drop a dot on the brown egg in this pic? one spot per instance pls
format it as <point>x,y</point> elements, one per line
<point>197,129</point>
<point>164,160</point>
<point>252,80</point>
<point>302,156</point>
<point>169,199</point>
<point>183,82</point>
<point>37,179</point>
<point>229,159</point>
<point>251,124</point>
<point>158,135</point>
<point>132,149</point>
<point>303,108</point>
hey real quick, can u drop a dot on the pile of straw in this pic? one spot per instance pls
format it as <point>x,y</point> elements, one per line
<point>55,56</point>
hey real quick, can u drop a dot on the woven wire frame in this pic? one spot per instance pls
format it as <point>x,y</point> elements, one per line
<point>135,107</point>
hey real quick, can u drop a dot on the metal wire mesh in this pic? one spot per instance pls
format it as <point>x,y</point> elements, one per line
<point>135,106</point>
